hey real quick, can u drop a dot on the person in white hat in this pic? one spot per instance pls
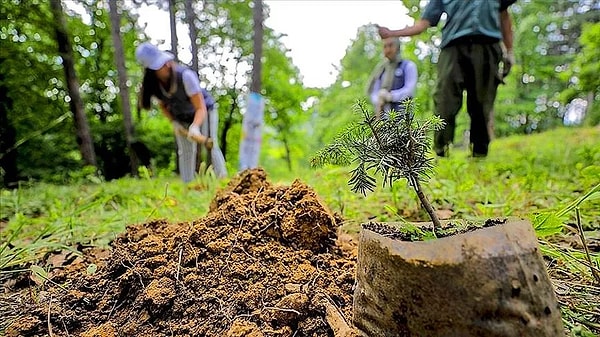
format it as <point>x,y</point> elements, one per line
<point>181,100</point>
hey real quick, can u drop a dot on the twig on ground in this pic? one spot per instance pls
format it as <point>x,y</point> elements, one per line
<point>179,264</point>
<point>282,309</point>
<point>49,323</point>
<point>585,247</point>
<point>254,201</point>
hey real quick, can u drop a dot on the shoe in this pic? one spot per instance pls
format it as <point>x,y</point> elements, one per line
<point>443,152</point>
<point>479,150</point>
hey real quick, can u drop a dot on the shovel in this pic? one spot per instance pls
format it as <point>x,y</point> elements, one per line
<point>216,156</point>
<point>200,139</point>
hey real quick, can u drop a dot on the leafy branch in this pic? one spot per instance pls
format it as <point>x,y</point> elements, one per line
<point>396,148</point>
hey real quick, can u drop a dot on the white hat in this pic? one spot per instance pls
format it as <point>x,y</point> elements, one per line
<point>151,57</point>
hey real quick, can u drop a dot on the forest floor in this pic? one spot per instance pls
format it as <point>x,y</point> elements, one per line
<point>266,260</point>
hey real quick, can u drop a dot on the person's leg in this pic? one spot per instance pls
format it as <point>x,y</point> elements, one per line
<point>448,96</point>
<point>481,93</point>
<point>187,158</point>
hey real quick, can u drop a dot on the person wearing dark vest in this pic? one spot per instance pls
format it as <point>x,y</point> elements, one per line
<point>470,58</point>
<point>181,100</point>
<point>393,80</point>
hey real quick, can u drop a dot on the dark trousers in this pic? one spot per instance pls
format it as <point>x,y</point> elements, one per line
<point>472,67</point>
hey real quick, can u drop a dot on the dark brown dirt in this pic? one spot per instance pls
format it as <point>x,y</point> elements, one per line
<point>412,232</point>
<point>263,262</point>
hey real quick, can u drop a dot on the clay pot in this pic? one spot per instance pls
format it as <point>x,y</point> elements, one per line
<point>488,282</point>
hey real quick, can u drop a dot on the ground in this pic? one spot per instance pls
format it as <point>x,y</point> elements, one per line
<point>265,261</point>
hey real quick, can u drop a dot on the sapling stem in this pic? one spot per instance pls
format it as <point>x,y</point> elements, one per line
<point>427,205</point>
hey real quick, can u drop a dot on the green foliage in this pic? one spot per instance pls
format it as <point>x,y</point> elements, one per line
<point>33,77</point>
<point>583,76</point>
<point>286,109</point>
<point>356,66</point>
<point>45,218</point>
<point>551,223</point>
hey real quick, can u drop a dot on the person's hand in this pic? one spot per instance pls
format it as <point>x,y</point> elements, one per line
<point>384,96</point>
<point>508,61</point>
<point>178,128</point>
<point>194,131</point>
<point>384,32</point>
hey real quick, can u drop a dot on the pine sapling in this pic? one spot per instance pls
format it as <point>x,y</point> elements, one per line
<point>396,147</point>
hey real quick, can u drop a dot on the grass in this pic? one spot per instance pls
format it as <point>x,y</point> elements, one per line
<point>540,176</point>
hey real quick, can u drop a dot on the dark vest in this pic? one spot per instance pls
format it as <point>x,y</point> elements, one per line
<point>397,84</point>
<point>179,103</point>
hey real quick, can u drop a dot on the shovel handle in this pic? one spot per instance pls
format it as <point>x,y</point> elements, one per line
<point>200,139</point>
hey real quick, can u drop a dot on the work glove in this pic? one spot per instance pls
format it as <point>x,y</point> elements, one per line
<point>178,128</point>
<point>384,96</point>
<point>194,131</point>
<point>508,60</point>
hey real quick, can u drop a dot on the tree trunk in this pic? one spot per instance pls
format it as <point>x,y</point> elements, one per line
<point>190,18</point>
<point>123,89</point>
<point>173,25</point>
<point>203,155</point>
<point>233,108</point>
<point>288,153</point>
<point>84,137</point>
<point>8,152</point>
<point>253,120</point>
<point>174,42</point>
<point>258,47</point>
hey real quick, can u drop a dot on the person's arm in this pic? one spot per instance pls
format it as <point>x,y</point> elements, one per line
<point>191,84</point>
<point>200,107</point>
<point>374,95</point>
<point>507,40</point>
<point>419,26</point>
<point>410,83</point>
<point>506,28</point>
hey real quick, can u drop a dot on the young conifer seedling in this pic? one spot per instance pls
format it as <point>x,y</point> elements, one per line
<point>396,147</point>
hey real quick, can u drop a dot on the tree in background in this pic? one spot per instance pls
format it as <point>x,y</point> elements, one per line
<point>100,81</point>
<point>583,78</point>
<point>173,25</point>
<point>533,99</point>
<point>257,46</point>
<point>546,43</point>
<point>8,153</point>
<point>119,56</point>
<point>33,80</point>
<point>190,20</point>
<point>84,137</point>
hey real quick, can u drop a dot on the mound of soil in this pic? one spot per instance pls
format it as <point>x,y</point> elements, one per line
<point>262,262</point>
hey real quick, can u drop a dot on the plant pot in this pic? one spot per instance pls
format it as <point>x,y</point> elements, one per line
<point>491,281</point>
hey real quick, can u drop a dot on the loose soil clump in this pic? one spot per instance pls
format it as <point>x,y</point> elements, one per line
<point>262,262</point>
